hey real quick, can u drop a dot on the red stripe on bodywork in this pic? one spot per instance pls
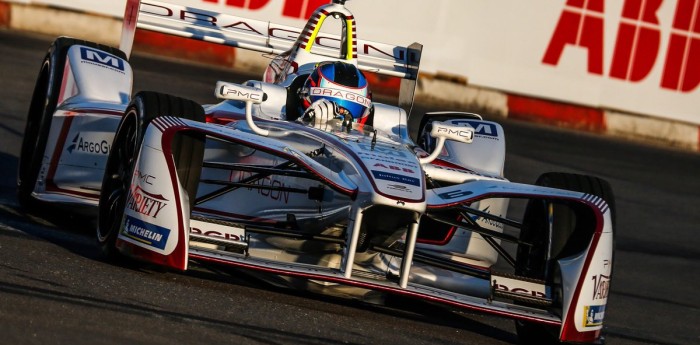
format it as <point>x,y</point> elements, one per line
<point>64,81</point>
<point>446,239</point>
<point>53,165</point>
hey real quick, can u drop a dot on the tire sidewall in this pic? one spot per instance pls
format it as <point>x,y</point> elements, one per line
<point>39,118</point>
<point>132,117</point>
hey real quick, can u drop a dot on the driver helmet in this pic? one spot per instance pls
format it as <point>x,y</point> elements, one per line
<point>341,83</point>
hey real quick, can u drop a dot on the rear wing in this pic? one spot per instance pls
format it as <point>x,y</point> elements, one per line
<point>260,36</point>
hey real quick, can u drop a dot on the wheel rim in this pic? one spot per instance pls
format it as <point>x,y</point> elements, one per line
<point>118,172</point>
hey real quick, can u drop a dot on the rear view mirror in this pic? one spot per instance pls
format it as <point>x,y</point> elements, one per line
<point>442,131</point>
<point>237,92</point>
<point>249,95</point>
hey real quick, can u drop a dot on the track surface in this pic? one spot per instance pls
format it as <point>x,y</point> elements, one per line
<point>54,289</point>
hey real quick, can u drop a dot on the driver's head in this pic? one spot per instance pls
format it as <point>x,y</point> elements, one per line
<point>341,83</point>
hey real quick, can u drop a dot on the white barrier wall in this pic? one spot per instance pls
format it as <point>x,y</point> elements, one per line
<point>639,56</point>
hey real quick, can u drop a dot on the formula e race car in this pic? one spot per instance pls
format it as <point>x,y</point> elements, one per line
<point>302,176</point>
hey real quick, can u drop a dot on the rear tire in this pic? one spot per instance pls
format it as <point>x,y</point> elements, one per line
<point>567,239</point>
<point>188,153</point>
<point>41,109</point>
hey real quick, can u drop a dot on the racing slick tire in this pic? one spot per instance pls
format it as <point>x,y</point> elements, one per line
<point>187,149</point>
<point>566,240</point>
<point>41,109</point>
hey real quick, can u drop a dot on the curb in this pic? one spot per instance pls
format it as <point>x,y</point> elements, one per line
<point>431,88</point>
<point>4,15</point>
<point>557,113</point>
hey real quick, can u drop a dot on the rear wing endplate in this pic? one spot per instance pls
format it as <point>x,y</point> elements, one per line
<point>256,35</point>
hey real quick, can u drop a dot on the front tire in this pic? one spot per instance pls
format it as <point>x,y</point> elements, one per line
<point>188,153</point>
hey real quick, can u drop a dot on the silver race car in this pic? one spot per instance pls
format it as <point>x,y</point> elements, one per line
<point>302,177</point>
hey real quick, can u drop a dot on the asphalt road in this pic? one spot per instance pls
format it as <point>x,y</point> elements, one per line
<point>54,289</point>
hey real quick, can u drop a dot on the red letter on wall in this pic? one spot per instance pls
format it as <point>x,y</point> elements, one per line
<point>638,40</point>
<point>682,70</point>
<point>249,4</point>
<point>301,8</point>
<point>580,24</point>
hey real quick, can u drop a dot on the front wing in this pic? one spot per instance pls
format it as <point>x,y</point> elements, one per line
<point>158,231</point>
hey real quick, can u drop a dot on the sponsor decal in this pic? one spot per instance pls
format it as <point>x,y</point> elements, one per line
<point>239,92</point>
<point>454,133</point>
<point>343,94</point>
<point>381,175</point>
<point>393,167</point>
<point>486,221</point>
<point>637,45</point>
<point>102,59</point>
<point>142,201</point>
<point>399,187</point>
<point>146,203</point>
<point>601,286</point>
<point>292,8</point>
<point>593,315</point>
<point>82,144</point>
<point>483,129</point>
<point>146,233</point>
<point>502,287</point>
<point>512,285</point>
<point>211,233</point>
<point>276,195</point>
<point>143,178</point>
<point>453,194</point>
